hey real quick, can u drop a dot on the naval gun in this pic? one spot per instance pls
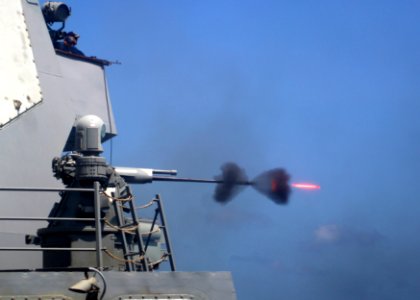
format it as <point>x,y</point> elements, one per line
<point>146,246</point>
<point>129,242</point>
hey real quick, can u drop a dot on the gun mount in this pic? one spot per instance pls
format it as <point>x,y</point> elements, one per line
<point>130,243</point>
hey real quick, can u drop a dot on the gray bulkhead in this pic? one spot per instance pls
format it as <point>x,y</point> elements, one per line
<point>70,88</point>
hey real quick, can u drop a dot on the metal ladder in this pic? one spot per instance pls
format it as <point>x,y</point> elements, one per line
<point>130,254</point>
<point>159,211</point>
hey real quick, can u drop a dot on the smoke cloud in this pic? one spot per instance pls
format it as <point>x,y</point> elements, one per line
<point>231,175</point>
<point>274,184</point>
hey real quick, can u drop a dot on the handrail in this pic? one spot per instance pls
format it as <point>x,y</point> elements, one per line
<point>47,249</point>
<point>34,189</point>
<point>47,219</point>
<point>96,190</point>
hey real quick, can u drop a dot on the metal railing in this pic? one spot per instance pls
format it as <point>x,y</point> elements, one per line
<point>97,219</point>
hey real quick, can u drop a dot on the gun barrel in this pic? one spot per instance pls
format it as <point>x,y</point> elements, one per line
<point>141,175</point>
<point>135,175</point>
<point>165,172</point>
<point>176,179</point>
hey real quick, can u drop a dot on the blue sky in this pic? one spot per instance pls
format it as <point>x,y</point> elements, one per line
<point>328,90</point>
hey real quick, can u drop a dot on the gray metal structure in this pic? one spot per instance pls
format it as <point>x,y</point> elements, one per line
<point>55,234</point>
<point>70,88</point>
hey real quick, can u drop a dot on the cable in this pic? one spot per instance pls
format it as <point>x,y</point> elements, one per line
<point>146,205</point>
<point>163,257</point>
<point>128,198</point>
<point>130,229</point>
<point>102,277</point>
